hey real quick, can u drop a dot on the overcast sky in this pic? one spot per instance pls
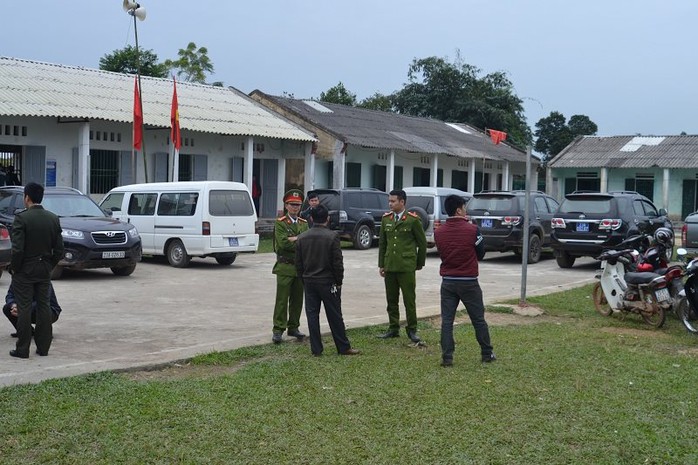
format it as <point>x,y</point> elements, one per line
<point>630,65</point>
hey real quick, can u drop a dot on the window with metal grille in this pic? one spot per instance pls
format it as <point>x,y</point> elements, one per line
<point>185,167</point>
<point>104,171</point>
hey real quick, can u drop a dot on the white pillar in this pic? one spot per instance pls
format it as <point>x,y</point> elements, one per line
<point>281,183</point>
<point>471,176</point>
<point>505,177</point>
<point>390,172</point>
<point>175,163</point>
<point>549,188</point>
<point>338,165</point>
<point>434,170</point>
<point>665,188</point>
<point>249,163</point>
<point>309,172</point>
<point>604,180</point>
<point>84,158</point>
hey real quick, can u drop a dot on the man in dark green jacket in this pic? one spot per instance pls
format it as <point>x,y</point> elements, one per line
<point>37,247</point>
<point>402,249</point>
<point>289,286</point>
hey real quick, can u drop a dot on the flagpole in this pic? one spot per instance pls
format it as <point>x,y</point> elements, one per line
<point>140,99</point>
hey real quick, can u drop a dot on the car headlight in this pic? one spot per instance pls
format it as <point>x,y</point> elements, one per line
<point>133,232</point>
<point>72,234</point>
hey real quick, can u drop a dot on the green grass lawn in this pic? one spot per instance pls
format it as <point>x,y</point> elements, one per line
<point>572,388</point>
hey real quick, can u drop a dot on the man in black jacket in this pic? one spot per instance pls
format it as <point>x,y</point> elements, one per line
<point>37,247</point>
<point>320,263</point>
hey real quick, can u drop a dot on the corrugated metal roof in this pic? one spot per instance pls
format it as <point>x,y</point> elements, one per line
<point>392,131</point>
<point>629,152</point>
<point>29,88</point>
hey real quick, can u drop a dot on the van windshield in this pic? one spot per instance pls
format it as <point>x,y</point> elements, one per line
<point>230,203</point>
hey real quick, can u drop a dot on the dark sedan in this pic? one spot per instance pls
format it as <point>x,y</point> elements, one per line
<point>5,248</point>
<point>92,239</point>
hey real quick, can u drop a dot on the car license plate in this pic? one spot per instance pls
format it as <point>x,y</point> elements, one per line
<point>233,241</point>
<point>662,294</point>
<point>582,227</point>
<point>121,254</point>
<point>486,223</point>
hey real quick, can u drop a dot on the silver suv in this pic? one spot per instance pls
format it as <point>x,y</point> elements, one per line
<point>428,204</point>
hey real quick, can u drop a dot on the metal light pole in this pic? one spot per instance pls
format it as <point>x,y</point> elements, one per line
<point>137,11</point>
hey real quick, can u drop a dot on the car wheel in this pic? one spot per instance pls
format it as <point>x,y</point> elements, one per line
<point>226,259</point>
<point>363,238</point>
<point>177,254</point>
<point>57,272</point>
<point>123,270</point>
<point>534,249</point>
<point>423,216</point>
<point>564,260</point>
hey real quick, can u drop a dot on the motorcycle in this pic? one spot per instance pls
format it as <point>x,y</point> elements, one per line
<point>620,291</point>
<point>687,307</point>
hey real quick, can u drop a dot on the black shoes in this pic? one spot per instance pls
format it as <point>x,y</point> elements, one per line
<point>276,338</point>
<point>390,333</point>
<point>13,335</point>
<point>14,353</point>
<point>413,336</point>
<point>488,358</point>
<point>39,352</point>
<point>350,352</point>
<point>447,363</point>
<point>295,333</point>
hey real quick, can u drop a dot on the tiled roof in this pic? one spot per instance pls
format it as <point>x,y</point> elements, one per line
<point>391,131</point>
<point>629,152</point>
<point>29,88</point>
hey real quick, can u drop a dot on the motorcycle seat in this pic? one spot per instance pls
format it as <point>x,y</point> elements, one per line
<point>642,277</point>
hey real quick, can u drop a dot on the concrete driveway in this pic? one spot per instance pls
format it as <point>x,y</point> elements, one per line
<point>162,314</point>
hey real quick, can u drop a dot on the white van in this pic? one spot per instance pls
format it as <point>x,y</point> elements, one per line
<point>188,219</point>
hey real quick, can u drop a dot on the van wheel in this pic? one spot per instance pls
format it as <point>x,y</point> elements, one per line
<point>564,260</point>
<point>423,216</point>
<point>57,272</point>
<point>226,259</point>
<point>123,270</point>
<point>177,254</point>
<point>363,238</point>
<point>534,249</point>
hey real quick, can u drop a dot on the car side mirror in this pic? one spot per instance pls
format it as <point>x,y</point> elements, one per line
<point>663,212</point>
<point>108,212</point>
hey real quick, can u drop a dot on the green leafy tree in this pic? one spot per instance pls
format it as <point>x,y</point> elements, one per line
<point>458,92</point>
<point>126,61</point>
<point>553,133</point>
<point>193,63</point>
<point>338,94</point>
<point>377,101</point>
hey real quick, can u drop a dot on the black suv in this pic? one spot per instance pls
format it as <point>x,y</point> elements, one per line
<point>92,239</point>
<point>500,216</point>
<point>588,222</point>
<point>355,213</point>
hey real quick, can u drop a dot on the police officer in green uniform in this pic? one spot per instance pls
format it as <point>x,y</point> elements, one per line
<point>289,286</point>
<point>37,247</point>
<point>402,249</point>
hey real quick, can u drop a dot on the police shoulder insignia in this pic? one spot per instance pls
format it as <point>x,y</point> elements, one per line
<point>302,220</point>
<point>413,214</point>
<point>281,218</point>
<point>387,213</point>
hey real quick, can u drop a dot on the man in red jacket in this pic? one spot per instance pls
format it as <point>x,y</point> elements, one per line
<point>460,246</point>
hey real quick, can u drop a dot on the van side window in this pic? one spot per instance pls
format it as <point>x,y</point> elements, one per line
<point>230,203</point>
<point>112,202</point>
<point>142,204</point>
<point>178,204</point>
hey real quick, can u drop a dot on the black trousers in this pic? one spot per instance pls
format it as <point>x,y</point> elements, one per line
<point>28,289</point>
<point>320,292</point>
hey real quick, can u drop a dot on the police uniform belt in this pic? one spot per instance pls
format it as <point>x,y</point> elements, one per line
<point>282,259</point>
